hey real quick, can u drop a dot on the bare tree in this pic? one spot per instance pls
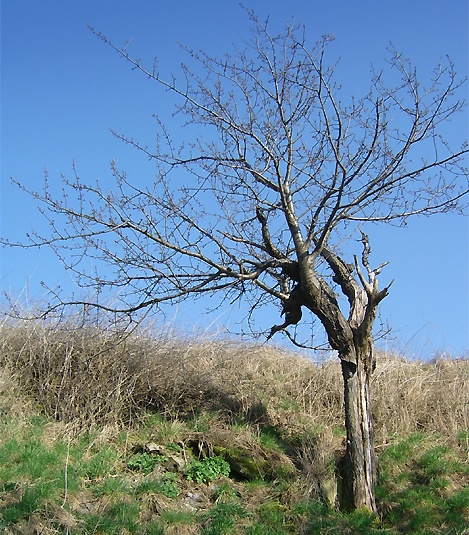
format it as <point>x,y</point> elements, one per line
<point>258,204</point>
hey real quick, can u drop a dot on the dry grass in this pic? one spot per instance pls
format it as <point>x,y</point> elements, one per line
<point>88,377</point>
<point>412,396</point>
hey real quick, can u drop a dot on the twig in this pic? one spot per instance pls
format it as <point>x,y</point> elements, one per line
<point>66,474</point>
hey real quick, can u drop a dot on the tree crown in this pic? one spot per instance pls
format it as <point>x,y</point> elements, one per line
<point>282,169</point>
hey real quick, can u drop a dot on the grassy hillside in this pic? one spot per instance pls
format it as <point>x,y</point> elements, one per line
<point>102,433</point>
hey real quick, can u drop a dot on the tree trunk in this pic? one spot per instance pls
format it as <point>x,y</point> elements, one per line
<point>360,460</point>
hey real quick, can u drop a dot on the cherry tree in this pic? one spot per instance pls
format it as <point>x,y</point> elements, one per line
<point>257,206</point>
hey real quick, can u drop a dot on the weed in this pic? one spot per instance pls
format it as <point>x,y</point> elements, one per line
<point>29,457</point>
<point>153,529</point>
<point>362,521</point>
<point>177,517</point>
<point>31,472</point>
<point>339,431</point>
<point>415,477</point>
<point>125,514</point>
<point>30,500</point>
<point>456,509</point>
<point>436,462</point>
<point>207,469</point>
<point>168,486</point>
<point>272,514</point>
<point>121,516</point>
<point>111,486</point>
<point>99,523</point>
<point>224,492</point>
<point>101,462</point>
<point>270,438</point>
<point>144,462</point>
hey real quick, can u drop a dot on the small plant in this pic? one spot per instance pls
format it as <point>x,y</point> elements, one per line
<point>110,486</point>
<point>144,462</point>
<point>207,469</point>
<point>168,485</point>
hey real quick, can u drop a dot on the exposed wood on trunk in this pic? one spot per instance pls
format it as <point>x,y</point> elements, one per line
<point>360,458</point>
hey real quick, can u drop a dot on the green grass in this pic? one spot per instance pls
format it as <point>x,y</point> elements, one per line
<point>222,518</point>
<point>418,487</point>
<point>168,485</point>
<point>423,489</point>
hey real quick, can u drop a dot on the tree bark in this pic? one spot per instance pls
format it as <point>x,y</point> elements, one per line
<point>353,340</point>
<point>360,466</point>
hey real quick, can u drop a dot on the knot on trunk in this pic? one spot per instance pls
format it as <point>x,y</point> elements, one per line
<point>292,310</point>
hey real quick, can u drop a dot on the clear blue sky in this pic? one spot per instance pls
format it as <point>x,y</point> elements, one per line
<point>62,90</point>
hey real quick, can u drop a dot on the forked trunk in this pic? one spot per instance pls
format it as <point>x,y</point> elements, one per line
<point>360,459</point>
<point>353,340</point>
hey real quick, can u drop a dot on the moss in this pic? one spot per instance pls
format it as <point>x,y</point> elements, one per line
<point>254,464</point>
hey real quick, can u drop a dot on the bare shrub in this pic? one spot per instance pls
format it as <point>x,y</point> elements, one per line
<point>75,373</point>
<point>12,400</point>
<point>265,385</point>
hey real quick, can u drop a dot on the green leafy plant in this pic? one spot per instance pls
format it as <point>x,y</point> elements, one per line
<point>168,485</point>
<point>144,462</point>
<point>207,469</point>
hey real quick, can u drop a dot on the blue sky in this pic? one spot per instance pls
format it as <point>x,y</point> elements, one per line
<point>62,91</point>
